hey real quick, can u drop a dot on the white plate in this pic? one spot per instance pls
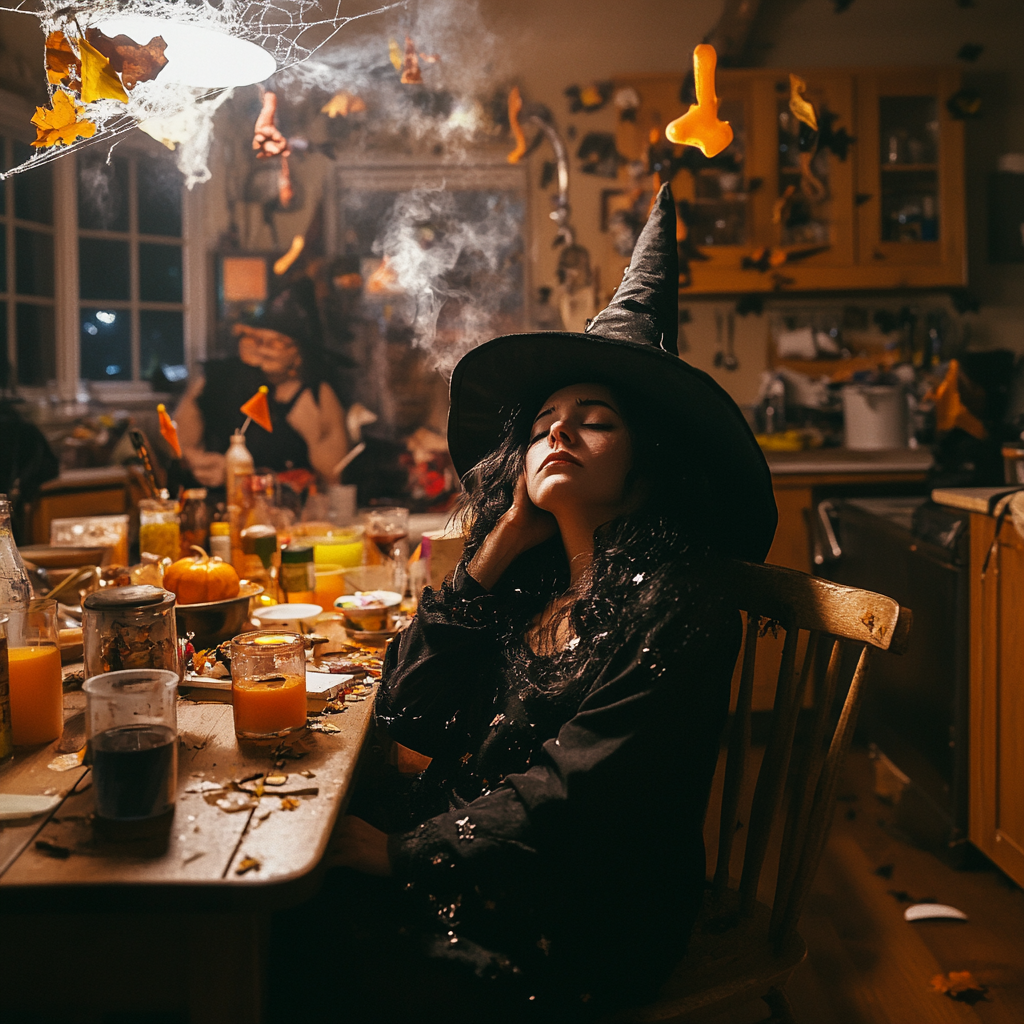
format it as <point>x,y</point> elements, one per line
<point>279,614</point>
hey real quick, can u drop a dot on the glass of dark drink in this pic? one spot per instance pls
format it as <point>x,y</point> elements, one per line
<point>385,534</point>
<point>132,727</point>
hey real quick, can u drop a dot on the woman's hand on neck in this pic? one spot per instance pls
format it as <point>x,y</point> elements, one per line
<point>522,527</point>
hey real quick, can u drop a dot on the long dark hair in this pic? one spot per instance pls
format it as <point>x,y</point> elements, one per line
<point>650,564</point>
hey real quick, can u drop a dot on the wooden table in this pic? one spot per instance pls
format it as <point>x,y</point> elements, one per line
<point>165,920</point>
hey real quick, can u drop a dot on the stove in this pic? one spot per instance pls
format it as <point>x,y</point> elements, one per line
<point>915,706</point>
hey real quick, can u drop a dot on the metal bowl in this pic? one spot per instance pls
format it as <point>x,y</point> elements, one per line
<point>213,622</point>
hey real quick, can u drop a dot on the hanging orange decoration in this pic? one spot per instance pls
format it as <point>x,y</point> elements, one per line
<point>258,409</point>
<point>700,126</point>
<point>411,74</point>
<point>395,54</point>
<point>800,107</point>
<point>168,430</point>
<point>60,126</point>
<point>515,105</point>
<point>99,80</point>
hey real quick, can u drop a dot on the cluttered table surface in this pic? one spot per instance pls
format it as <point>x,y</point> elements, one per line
<point>248,818</point>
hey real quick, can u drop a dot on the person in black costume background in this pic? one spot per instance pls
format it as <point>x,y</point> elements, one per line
<point>569,682</point>
<point>280,348</point>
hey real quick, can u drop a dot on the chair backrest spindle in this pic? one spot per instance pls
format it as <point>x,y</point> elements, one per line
<point>825,610</point>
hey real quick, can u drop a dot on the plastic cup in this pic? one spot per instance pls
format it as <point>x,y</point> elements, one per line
<point>131,722</point>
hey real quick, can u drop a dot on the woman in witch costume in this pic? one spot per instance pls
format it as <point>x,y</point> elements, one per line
<point>281,349</point>
<point>570,681</point>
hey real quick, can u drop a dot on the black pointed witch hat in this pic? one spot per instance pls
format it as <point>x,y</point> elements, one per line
<point>632,343</point>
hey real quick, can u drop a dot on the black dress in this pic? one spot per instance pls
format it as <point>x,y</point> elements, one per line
<point>555,841</point>
<point>229,383</point>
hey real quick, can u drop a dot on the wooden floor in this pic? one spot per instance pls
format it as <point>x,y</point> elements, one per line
<point>865,964</point>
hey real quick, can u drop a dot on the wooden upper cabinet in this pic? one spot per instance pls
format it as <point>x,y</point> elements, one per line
<point>910,172</point>
<point>887,212</point>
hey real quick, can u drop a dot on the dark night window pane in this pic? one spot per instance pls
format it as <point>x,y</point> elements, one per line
<point>162,339</point>
<point>37,351</point>
<point>103,269</point>
<point>106,347</point>
<point>3,253</point>
<point>159,188</point>
<point>5,364</point>
<point>33,189</point>
<point>159,272</point>
<point>102,192</point>
<point>33,261</point>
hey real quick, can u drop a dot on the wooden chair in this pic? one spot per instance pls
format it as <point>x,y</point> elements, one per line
<point>742,950</point>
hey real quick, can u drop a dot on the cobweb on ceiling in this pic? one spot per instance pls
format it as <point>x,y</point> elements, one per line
<point>181,116</point>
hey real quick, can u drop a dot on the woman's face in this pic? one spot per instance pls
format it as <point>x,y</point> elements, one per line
<point>274,353</point>
<point>579,454</point>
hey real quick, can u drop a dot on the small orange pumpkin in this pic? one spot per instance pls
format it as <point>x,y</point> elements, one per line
<point>202,578</point>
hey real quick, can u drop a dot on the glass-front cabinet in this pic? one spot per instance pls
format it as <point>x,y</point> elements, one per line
<point>874,198</point>
<point>911,175</point>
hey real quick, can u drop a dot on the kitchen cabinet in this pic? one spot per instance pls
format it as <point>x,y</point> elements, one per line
<point>996,757</point>
<point>886,211</point>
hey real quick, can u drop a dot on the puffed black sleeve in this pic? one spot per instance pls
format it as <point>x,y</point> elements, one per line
<point>435,671</point>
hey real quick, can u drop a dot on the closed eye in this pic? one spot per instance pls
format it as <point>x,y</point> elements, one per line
<point>538,437</point>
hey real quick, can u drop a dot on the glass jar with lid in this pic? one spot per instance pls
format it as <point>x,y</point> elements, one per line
<point>194,521</point>
<point>129,627</point>
<point>159,530</point>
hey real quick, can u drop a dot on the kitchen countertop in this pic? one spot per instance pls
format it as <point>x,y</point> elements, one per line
<point>845,460</point>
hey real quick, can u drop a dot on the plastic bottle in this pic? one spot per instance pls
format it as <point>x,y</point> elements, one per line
<point>15,588</point>
<point>220,541</point>
<point>238,467</point>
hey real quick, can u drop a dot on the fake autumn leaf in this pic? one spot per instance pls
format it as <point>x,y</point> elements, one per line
<point>61,125</point>
<point>341,104</point>
<point>134,62</point>
<point>61,61</point>
<point>515,105</point>
<point>411,74</point>
<point>700,126</point>
<point>961,986</point>
<point>800,107</point>
<point>258,410</point>
<point>99,80</point>
<point>168,431</point>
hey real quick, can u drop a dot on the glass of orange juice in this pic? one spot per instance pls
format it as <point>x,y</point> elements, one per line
<point>37,698</point>
<point>268,683</point>
<point>330,585</point>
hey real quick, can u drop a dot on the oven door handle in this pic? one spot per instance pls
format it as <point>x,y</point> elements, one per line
<point>824,543</point>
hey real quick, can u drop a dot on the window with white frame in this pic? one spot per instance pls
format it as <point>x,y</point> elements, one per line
<point>27,292</point>
<point>130,269</point>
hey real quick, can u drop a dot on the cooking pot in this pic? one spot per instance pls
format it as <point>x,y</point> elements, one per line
<point>875,416</point>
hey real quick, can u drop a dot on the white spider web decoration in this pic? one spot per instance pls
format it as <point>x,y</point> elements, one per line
<point>181,116</point>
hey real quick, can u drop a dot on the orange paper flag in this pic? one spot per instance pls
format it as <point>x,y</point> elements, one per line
<point>700,126</point>
<point>168,431</point>
<point>258,409</point>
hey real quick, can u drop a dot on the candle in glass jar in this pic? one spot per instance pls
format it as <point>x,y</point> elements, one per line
<point>37,699</point>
